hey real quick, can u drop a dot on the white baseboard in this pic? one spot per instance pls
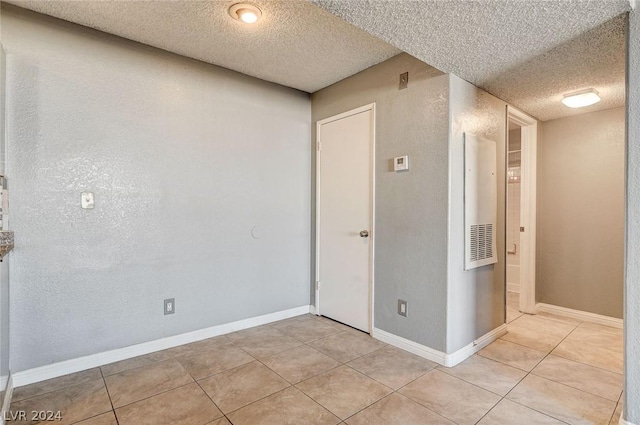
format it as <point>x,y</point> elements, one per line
<point>312,309</point>
<point>448,360</point>
<point>66,367</point>
<point>623,422</point>
<point>580,315</point>
<point>469,350</point>
<point>6,402</point>
<point>513,287</point>
<point>410,346</point>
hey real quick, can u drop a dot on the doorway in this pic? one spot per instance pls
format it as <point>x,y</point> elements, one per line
<point>344,217</point>
<point>521,213</point>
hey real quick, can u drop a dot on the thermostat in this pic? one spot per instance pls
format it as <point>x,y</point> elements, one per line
<point>401,163</point>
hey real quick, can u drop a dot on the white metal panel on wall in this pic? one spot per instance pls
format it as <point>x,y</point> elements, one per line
<point>480,201</point>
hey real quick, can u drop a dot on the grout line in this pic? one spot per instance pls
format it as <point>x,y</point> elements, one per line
<point>214,403</point>
<point>151,396</point>
<point>113,409</point>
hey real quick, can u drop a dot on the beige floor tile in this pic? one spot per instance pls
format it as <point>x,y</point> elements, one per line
<point>198,346</point>
<point>538,340</point>
<point>221,421</point>
<point>599,336</point>
<point>310,330</point>
<point>486,373</point>
<point>201,364</point>
<point>187,405</point>
<point>347,346</point>
<point>513,355</point>
<point>136,384</point>
<point>581,376</point>
<point>300,363</point>
<point>512,315</point>
<point>108,418</point>
<point>74,403</point>
<point>263,330</point>
<point>241,386</point>
<point>343,391</point>
<point>451,397</point>
<point>287,407</point>
<point>507,412</point>
<point>266,343</point>
<point>397,409</point>
<point>593,355</point>
<point>545,324</point>
<point>39,388</point>
<point>557,318</point>
<point>392,366</point>
<point>561,402</point>
<point>292,320</point>
<point>615,419</point>
<point>602,328</point>
<point>136,362</point>
<point>340,326</point>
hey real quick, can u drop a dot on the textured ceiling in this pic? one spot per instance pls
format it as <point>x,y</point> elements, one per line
<point>528,53</point>
<point>295,44</point>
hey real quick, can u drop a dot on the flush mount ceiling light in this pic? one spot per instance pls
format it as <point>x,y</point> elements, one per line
<point>245,12</point>
<point>581,99</point>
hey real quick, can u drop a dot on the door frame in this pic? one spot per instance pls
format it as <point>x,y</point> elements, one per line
<point>528,172</point>
<point>372,178</point>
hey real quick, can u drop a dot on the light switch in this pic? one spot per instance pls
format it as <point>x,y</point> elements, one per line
<point>87,200</point>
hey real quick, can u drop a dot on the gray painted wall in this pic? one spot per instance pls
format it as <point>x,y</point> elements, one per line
<point>411,207</point>
<point>4,266</point>
<point>632,277</point>
<point>475,298</point>
<point>184,160</point>
<point>580,212</point>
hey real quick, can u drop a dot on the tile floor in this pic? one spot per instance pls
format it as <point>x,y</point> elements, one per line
<point>310,370</point>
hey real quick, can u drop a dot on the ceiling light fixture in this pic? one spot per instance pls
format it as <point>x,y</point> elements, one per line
<point>581,99</point>
<point>245,12</point>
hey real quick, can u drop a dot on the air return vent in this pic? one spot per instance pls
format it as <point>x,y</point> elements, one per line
<point>481,241</point>
<point>480,201</point>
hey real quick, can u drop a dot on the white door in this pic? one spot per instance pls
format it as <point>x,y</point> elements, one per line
<point>345,217</point>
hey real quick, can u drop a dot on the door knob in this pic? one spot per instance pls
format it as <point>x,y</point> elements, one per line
<point>364,234</point>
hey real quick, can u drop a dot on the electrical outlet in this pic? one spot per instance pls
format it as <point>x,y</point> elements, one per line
<point>402,308</point>
<point>169,306</point>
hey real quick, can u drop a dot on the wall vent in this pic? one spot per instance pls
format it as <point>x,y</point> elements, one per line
<point>481,241</point>
<point>480,201</point>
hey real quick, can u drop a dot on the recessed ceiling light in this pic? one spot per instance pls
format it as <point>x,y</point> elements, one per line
<point>581,99</point>
<point>245,12</point>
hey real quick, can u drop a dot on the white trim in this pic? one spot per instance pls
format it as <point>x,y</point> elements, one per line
<point>529,149</point>
<point>66,367</point>
<point>448,360</point>
<point>580,315</point>
<point>372,232</point>
<point>633,4</point>
<point>477,345</point>
<point>6,402</point>
<point>410,346</point>
<point>513,287</point>
<point>623,422</point>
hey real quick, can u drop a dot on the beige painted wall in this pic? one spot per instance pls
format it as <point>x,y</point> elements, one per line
<point>580,241</point>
